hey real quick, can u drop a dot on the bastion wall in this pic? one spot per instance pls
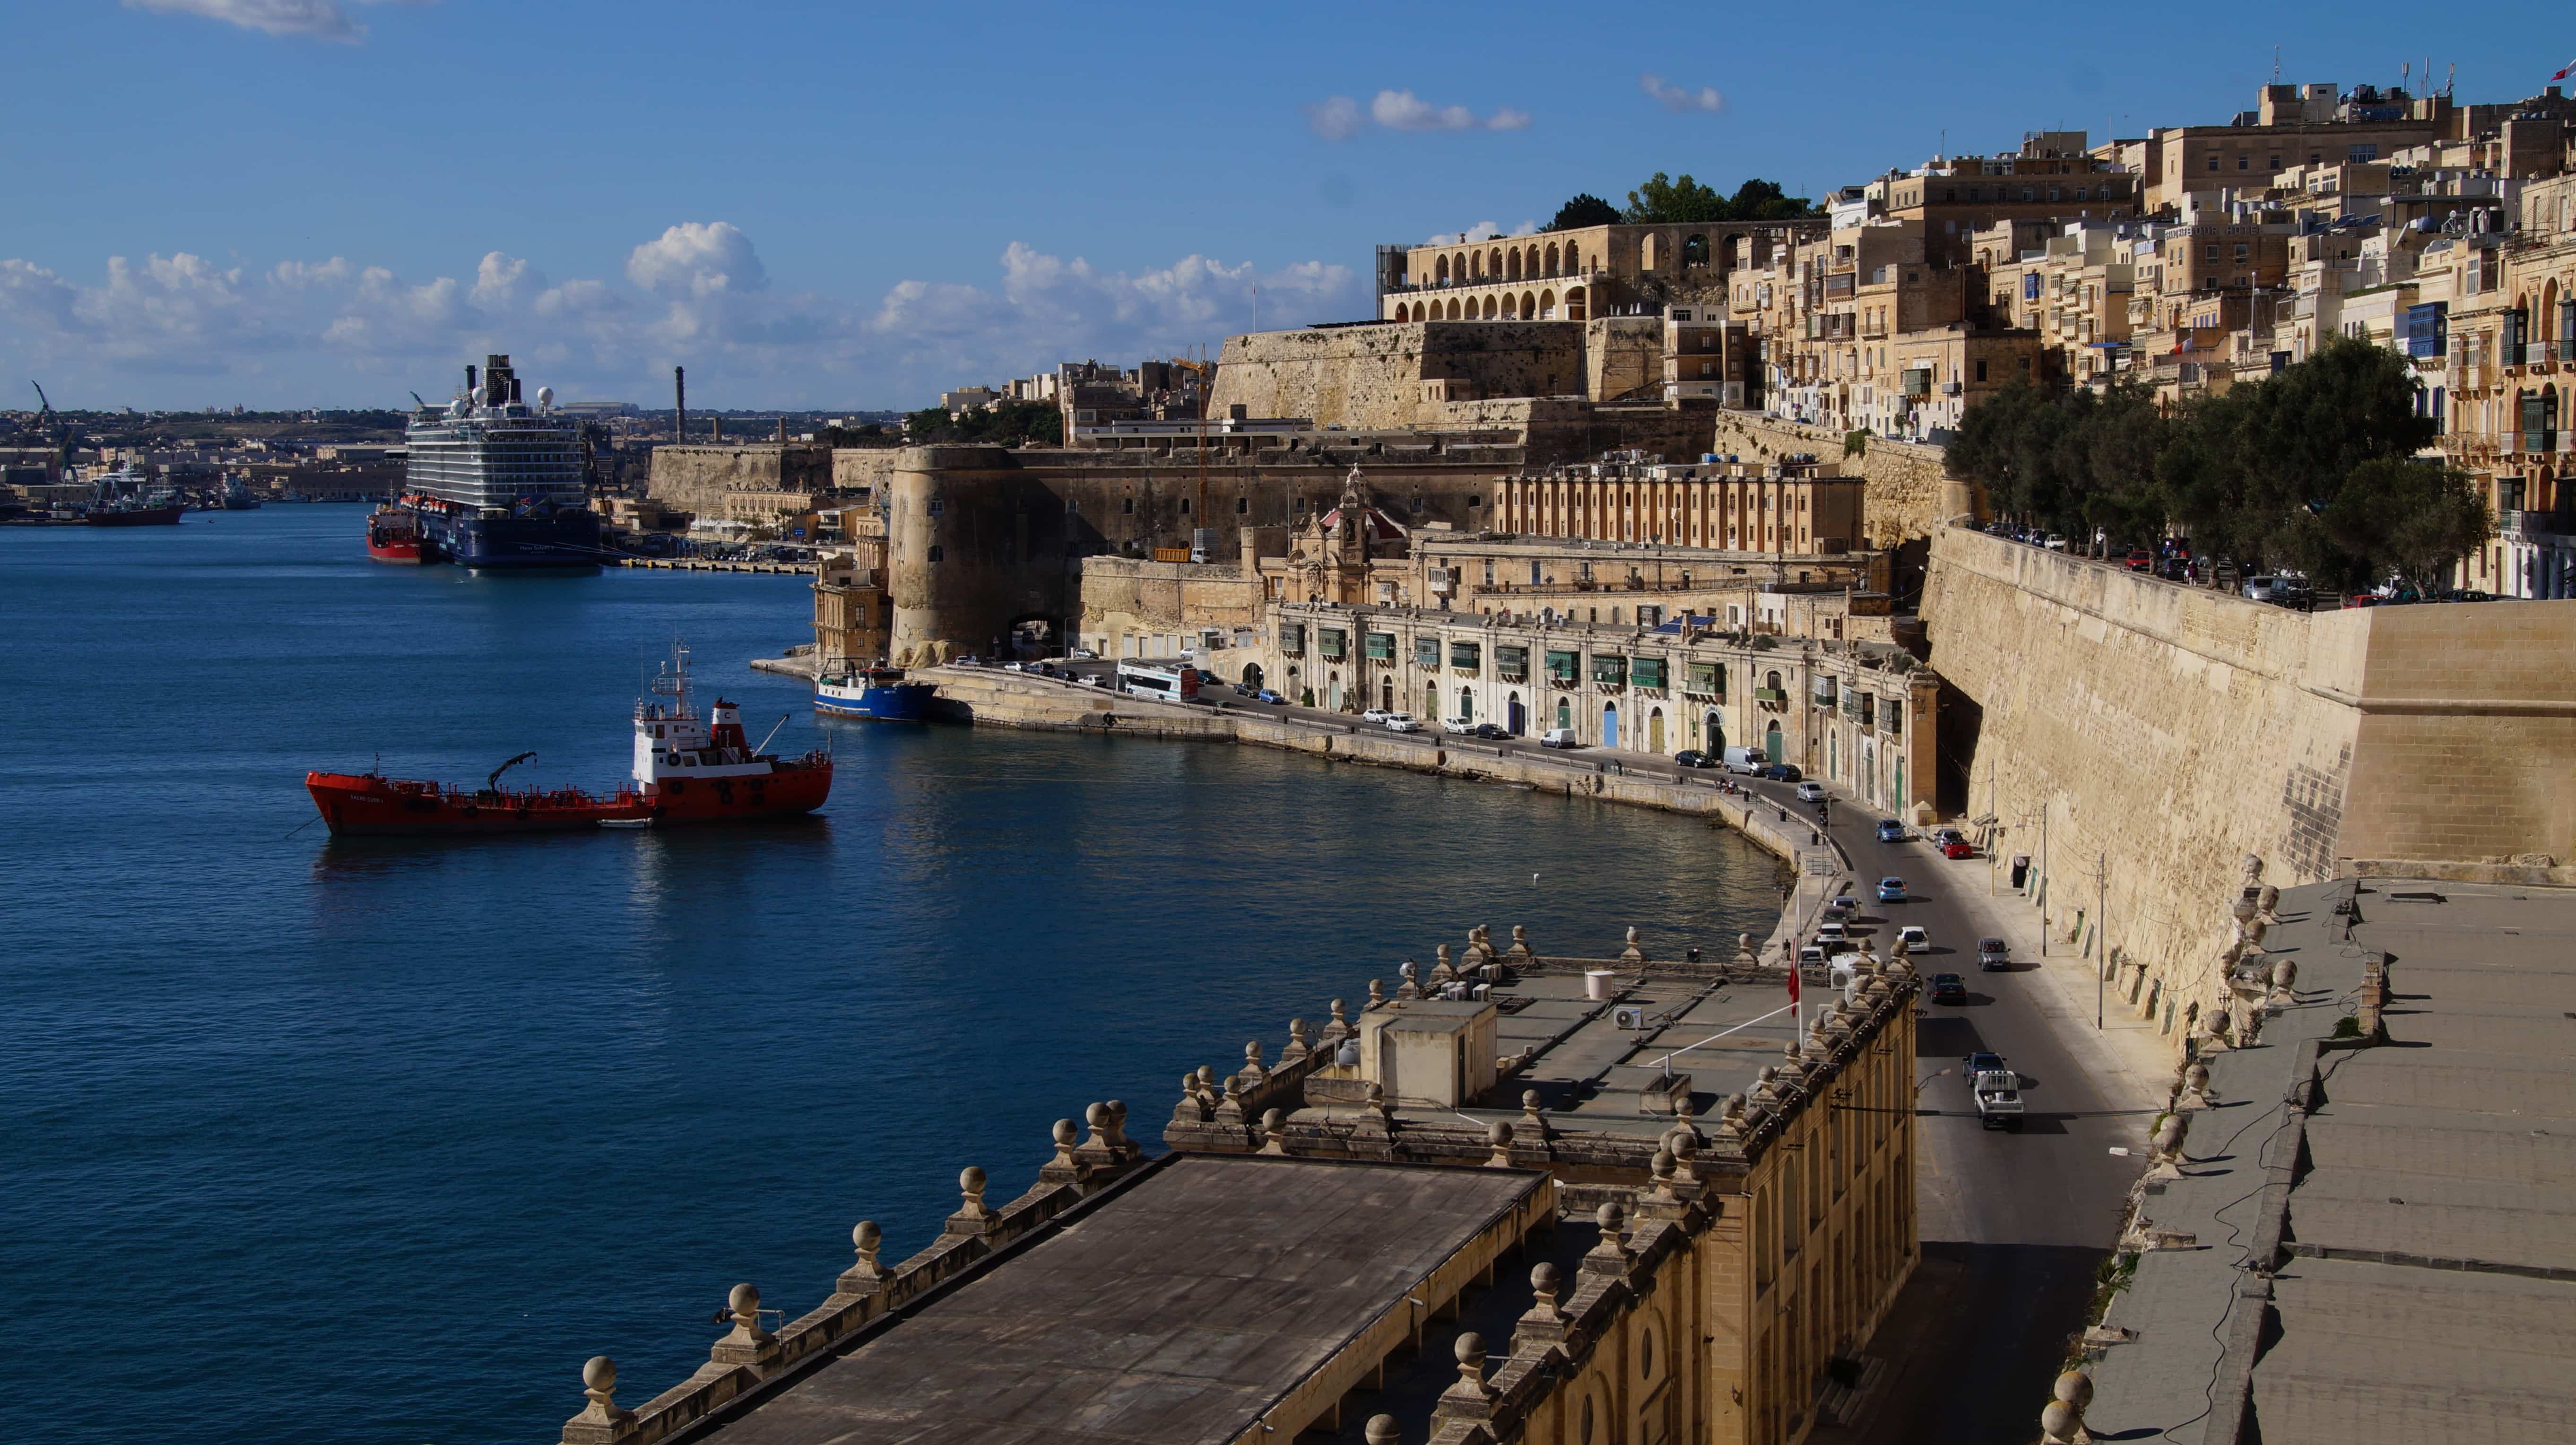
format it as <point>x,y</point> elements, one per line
<point>694,478</point>
<point>2159,733</point>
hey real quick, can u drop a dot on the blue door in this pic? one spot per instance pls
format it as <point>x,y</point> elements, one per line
<point>1610,725</point>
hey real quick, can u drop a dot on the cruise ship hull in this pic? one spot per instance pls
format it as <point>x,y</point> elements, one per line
<point>559,541</point>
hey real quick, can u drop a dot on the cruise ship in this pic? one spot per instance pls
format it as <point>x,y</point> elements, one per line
<point>497,483</point>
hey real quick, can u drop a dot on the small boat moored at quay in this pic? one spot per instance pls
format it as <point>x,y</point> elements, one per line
<point>871,692</point>
<point>393,535</point>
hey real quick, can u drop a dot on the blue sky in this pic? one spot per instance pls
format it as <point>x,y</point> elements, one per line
<point>275,202</point>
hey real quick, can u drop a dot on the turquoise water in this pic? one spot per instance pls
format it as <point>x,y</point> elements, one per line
<point>318,1142</point>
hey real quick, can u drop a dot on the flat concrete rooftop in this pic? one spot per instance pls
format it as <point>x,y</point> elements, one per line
<point>1589,1071</point>
<point>2427,1289</point>
<point>1178,1310</point>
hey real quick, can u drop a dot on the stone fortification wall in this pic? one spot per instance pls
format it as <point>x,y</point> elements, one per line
<point>2162,733</point>
<point>1120,595</point>
<point>1909,493</point>
<point>1396,374</point>
<point>1012,527</point>
<point>695,478</point>
<point>1623,358</point>
<point>867,469</point>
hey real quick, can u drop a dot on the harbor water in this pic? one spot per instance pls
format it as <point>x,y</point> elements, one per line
<point>317,1141</point>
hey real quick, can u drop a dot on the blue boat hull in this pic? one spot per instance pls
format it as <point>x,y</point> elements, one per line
<point>903,702</point>
<point>558,541</point>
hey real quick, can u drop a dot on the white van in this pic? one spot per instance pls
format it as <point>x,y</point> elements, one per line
<point>1746,761</point>
<point>1558,738</point>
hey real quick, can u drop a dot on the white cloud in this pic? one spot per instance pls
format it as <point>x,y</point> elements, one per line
<point>317,19</point>
<point>1681,98</point>
<point>1482,231</point>
<point>1338,117</point>
<point>1335,117</point>
<point>697,259</point>
<point>339,332</point>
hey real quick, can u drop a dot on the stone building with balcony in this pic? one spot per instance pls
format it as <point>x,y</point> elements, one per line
<point>1859,713</point>
<point>2053,177</point>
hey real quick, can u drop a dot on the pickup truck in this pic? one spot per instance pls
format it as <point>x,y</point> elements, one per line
<point>1996,1087</point>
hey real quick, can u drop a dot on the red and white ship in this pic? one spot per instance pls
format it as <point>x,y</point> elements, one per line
<point>688,769</point>
<point>693,769</point>
<point>393,535</point>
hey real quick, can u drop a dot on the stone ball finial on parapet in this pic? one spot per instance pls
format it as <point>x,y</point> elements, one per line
<point>1274,1133</point>
<point>2062,1421</point>
<point>1068,1137</point>
<point>1533,1118</point>
<point>1340,1027</point>
<point>1745,957</point>
<point>970,1188</point>
<point>1441,969</point>
<point>600,1422</point>
<point>1411,987</point>
<point>1207,1083</point>
<point>1520,943</point>
<point>1634,955</point>
<point>1470,1397</point>
<point>1189,1110</point>
<point>2167,1143</point>
<point>1253,1074</point>
<point>746,1343</point>
<point>1498,1139</point>
<point>1296,1042</point>
<point>1382,1430</point>
<point>1610,1255</point>
<point>866,1242</point>
<point>1377,992</point>
<point>2285,979</point>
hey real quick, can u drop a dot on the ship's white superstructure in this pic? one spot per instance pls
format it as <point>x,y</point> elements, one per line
<point>488,449</point>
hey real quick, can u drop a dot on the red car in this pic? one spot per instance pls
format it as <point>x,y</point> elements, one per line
<point>1958,848</point>
<point>2141,560</point>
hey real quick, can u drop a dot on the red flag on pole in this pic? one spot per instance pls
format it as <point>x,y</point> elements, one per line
<point>2570,70</point>
<point>1793,982</point>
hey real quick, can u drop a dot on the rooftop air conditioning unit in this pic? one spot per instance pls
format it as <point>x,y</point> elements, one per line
<point>1629,1016</point>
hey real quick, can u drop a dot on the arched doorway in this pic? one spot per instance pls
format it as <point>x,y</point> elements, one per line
<point>1252,676</point>
<point>1610,725</point>
<point>1333,696</point>
<point>1386,694</point>
<point>1565,713</point>
<point>1431,702</point>
<point>1771,742</point>
<point>1714,728</point>
<point>1466,704</point>
<point>1833,755</point>
<point>1655,731</point>
<point>1515,717</point>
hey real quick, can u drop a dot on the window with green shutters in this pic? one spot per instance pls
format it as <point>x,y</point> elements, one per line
<point>1561,667</point>
<point>1891,717</point>
<point>1702,679</point>
<point>1512,663</point>
<point>1336,644</point>
<point>1292,638</point>
<point>1468,655</point>
<point>1646,672</point>
<point>1426,652</point>
<point>1609,669</point>
<point>1381,646</point>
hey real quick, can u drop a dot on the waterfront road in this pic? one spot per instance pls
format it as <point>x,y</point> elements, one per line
<point>2013,1224</point>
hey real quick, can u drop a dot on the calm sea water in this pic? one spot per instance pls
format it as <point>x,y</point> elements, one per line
<point>307,1141</point>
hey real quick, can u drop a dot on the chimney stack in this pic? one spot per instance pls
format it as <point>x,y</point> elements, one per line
<point>679,403</point>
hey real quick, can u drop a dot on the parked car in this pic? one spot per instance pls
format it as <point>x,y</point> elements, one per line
<point>1084,654</point>
<point>1745,762</point>
<point>1831,932</point>
<point>1268,695</point>
<point>1402,722</point>
<point>1839,906</point>
<point>1890,831</point>
<point>1492,730</point>
<point>1891,890</point>
<point>2141,560</point>
<point>1949,988</point>
<point>2056,542</point>
<point>1958,848</point>
<point>1241,690</point>
<point>1781,773</point>
<point>2264,588</point>
<point>1811,792</point>
<point>1376,715</point>
<point>1993,953</point>
<point>1693,758</point>
<point>1811,956</point>
<point>1914,937</point>
<point>1558,738</point>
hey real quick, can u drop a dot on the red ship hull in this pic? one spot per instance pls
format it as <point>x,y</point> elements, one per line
<point>363,805</point>
<point>795,787</point>
<point>394,536</point>
<point>405,550</point>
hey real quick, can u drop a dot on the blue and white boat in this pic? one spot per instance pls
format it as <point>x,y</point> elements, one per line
<point>871,692</point>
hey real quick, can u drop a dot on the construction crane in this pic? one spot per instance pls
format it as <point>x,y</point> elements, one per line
<point>45,413</point>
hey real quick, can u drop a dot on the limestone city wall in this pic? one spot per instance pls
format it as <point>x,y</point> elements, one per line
<point>695,478</point>
<point>2162,732</point>
<point>1396,374</point>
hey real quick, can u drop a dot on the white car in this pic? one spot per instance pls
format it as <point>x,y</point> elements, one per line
<point>1456,725</point>
<point>1402,722</point>
<point>1376,715</point>
<point>1811,792</point>
<point>1084,654</point>
<point>1916,940</point>
<point>2056,542</point>
<point>1832,933</point>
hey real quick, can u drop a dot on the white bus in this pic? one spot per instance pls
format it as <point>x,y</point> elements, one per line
<point>1166,681</point>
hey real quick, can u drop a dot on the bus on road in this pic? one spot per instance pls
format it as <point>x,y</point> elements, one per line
<point>1165,681</point>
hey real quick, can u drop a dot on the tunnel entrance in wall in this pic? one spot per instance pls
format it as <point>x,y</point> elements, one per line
<point>1033,635</point>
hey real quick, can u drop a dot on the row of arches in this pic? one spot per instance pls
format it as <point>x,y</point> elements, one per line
<point>1501,263</point>
<point>1527,306</point>
<point>1754,515</point>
